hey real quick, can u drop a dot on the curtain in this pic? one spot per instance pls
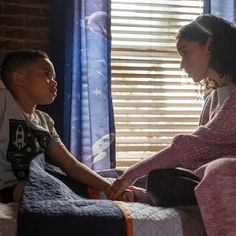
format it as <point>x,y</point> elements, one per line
<point>225,9</point>
<point>81,54</point>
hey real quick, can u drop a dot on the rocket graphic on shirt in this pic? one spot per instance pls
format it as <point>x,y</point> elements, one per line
<point>24,144</point>
<point>20,138</point>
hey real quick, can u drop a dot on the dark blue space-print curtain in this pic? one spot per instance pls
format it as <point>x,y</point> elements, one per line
<point>222,8</point>
<point>88,121</point>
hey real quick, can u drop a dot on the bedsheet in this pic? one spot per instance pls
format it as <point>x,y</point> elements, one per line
<point>8,219</point>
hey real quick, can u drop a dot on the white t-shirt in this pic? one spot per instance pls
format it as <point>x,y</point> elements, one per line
<point>21,138</point>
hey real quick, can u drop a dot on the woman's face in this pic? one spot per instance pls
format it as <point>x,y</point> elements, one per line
<point>195,58</point>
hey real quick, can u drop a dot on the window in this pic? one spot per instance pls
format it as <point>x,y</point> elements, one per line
<point>153,99</point>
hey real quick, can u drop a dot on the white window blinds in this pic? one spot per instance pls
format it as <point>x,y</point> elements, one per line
<point>153,99</point>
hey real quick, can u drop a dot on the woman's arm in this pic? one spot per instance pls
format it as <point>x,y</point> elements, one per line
<point>214,140</point>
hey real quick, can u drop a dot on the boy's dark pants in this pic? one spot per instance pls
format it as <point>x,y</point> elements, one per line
<point>172,187</point>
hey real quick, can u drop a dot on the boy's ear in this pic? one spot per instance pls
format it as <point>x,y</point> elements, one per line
<point>18,79</point>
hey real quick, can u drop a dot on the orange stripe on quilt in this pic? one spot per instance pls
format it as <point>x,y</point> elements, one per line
<point>128,217</point>
<point>93,193</point>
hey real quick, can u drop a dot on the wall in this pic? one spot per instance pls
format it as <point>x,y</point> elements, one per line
<point>24,24</point>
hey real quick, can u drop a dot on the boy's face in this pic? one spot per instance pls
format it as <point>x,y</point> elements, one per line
<point>38,82</point>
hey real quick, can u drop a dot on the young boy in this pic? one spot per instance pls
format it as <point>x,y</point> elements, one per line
<point>29,78</point>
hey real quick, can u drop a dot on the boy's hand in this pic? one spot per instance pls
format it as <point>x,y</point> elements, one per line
<point>126,196</point>
<point>117,188</point>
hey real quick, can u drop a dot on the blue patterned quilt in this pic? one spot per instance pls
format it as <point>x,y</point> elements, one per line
<point>54,204</point>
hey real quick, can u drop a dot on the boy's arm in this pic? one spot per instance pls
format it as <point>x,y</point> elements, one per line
<point>77,170</point>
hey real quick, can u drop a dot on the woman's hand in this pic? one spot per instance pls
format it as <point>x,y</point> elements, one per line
<point>117,188</point>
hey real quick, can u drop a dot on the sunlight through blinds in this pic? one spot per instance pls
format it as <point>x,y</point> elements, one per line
<point>153,99</point>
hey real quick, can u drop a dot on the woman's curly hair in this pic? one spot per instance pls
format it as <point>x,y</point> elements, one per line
<point>222,36</point>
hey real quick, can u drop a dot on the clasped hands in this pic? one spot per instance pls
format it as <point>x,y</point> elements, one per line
<point>126,196</point>
<point>121,191</point>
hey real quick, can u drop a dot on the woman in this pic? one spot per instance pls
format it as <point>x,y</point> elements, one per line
<point>207,47</point>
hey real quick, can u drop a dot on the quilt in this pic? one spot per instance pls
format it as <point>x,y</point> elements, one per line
<point>54,204</point>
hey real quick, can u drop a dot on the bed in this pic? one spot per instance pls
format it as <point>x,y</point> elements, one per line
<point>54,204</point>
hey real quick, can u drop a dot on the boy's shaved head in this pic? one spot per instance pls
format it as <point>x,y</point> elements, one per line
<point>17,61</point>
